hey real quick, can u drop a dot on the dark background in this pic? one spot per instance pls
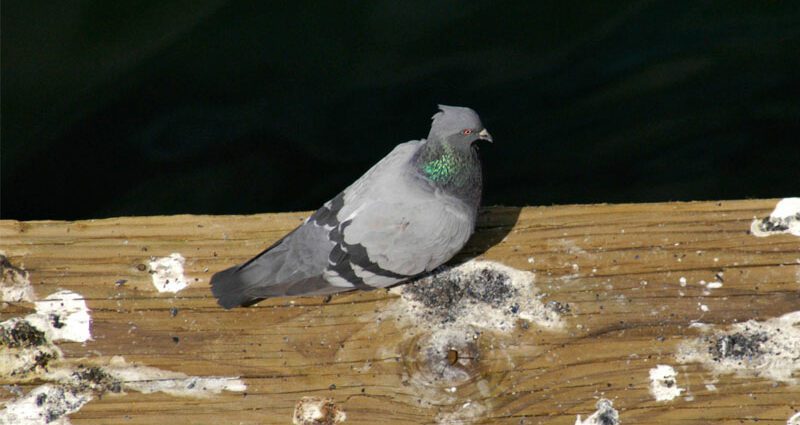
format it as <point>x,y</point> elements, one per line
<point>160,107</point>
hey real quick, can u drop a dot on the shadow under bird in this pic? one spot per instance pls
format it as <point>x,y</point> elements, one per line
<point>410,213</point>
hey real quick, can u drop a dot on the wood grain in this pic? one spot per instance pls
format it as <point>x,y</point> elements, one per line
<point>618,267</point>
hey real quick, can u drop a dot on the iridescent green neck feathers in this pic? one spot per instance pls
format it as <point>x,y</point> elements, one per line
<point>451,167</point>
<point>442,168</point>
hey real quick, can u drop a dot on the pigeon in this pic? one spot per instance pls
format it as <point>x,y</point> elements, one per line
<point>408,214</point>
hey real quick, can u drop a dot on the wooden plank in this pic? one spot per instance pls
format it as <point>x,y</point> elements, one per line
<point>619,268</point>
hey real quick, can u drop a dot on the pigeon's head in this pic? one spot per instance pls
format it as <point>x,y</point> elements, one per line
<point>458,125</point>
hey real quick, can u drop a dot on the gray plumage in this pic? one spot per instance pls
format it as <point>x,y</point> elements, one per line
<point>410,213</point>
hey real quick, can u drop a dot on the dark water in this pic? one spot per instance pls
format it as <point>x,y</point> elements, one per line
<point>128,108</point>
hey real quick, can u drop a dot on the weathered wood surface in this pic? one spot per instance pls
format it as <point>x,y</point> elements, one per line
<point>617,266</point>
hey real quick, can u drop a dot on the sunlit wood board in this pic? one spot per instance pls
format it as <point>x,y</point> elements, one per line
<point>633,286</point>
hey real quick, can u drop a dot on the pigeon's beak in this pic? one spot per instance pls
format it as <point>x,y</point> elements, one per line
<point>484,135</point>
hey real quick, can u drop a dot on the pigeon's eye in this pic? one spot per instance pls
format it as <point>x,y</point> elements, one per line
<point>466,131</point>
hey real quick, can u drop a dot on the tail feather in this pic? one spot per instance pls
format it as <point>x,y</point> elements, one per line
<point>292,266</point>
<point>230,290</point>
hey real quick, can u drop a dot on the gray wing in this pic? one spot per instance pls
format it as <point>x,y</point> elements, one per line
<point>393,226</point>
<point>297,264</point>
<point>391,240</point>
